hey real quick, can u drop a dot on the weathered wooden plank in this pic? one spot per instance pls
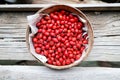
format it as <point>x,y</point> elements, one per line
<point>13,44</point>
<point>99,53</point>
<point>111,40</point>
<point>10,35</point>
<point>67,1</point>
<point>104,41</point>
<point>55,2</point>
<point>12,25</point>
<point>85,7</point>
<point>106,31</point>
<point>103,26</point>
<point>12,30</point>
<point>43,73</point>
<point>12,39</point>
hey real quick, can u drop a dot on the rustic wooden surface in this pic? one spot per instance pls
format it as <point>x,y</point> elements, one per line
<point>43,73</point>
<point>13,47</point>
<point>106,31</point>
<point>83,7</point>
<point>67,1</point>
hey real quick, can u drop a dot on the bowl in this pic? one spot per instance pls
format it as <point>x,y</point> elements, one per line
<point>79,13</point>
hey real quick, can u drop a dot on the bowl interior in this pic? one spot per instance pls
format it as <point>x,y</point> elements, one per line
<point>73,10</point>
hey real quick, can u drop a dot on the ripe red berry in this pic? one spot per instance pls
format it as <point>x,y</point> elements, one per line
<point>49,61</point>
<point>58,63</point>
<point>55,17</point>
<point>55,39</point>
<point>39,30</point>
<point>71,55</point>
<point>73,39</point>
<point>46,33</point>
<point>59,50</point>
<point>37,50</point>
<point>68,61</point>
<point>35,40</point>
<point>61,60</point>
<point>72,60</point>
<point>38,24</point>
<point>51,43</point>
<point>60,16</point>
<point>78,56</point>
<point>54,63</point>
<point>53,54</point>
<point>63,63</point>
<point>60,38</point>
<point>66,54</point>
<point>63,12</point>
<point>82,48</point>
<point>85,41</point>
<point>46,53</point>
<point>35,45</point>
<point>52,58</point>
<point>47,17</point>
<point>72,20</point>
<point>44,37</point>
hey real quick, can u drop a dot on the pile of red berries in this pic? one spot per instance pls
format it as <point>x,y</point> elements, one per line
<point>60,38</point>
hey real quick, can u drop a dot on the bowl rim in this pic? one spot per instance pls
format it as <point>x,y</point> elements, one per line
<point>90,45</point>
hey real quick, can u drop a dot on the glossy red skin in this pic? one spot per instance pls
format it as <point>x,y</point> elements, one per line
<point>59,38</point>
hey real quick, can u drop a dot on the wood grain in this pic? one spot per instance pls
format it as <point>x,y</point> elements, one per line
<point>67,1</point>
<point>43,73</point>
<point>106,31</point>
<point>84,7</point>
<point>55,1</point>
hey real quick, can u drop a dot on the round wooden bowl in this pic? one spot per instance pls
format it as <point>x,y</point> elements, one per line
<point>73,10</point>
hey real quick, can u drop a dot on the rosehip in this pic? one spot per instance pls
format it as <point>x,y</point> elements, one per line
<point>38,24</point>
<point>58,63</point>
<point>60,38</point>
<point>35,40</point>
<point>37,50</point>
<point>78,56</point>
<point>68,61</point>
<point>85,41</point>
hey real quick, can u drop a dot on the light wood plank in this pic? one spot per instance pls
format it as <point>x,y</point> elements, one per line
<point>67,1</point>
<point>12,35</point>
<point>16,40</point>
<point>106,31</point>
<point>103,26</point>
<point>43,73</point>
<point>99,53</point>
<point>85,7</point>
<point>55,1</point>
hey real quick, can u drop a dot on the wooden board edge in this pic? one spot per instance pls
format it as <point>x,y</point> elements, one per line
<point>83,7</point>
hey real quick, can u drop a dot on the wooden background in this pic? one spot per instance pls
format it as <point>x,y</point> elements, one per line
<point>67,1</point>
<point>106,50</point>
<point>106,31</point>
